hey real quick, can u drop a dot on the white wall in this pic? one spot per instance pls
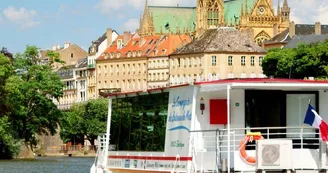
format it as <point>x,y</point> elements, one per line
<point>237,112</point>
<point>323,108</point>
<point>102,47</point>
<point>205,142</point>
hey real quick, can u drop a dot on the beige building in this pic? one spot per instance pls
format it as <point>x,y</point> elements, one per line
<point>95,50</point>
<point>136,63</point>
<point>217,54</point>
<point>158,61</point>
<point>123,65</point>
<point>70,54</point>
<point>73,56</point>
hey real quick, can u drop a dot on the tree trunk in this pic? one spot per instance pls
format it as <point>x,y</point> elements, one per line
<point>25,151</point>
<point>92,141</point>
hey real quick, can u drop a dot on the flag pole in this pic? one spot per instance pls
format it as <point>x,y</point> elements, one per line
<point>301,136</point>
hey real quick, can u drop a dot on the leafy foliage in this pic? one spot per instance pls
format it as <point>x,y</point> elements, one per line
<point>84,119</point>
<point>303,61</point>
<point>27,88</point>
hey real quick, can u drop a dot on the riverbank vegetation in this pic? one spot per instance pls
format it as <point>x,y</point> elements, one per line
<point>306,60</point>
<point>27,88</point>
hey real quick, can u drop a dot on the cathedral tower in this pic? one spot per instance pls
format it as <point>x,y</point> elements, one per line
<point>285,11</point>
<point>209,14</point>
<point>146,26</point>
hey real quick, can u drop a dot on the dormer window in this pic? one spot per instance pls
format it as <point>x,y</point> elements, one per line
<point>129,54</point>
<point>163,51</point>
<point>118,55</point>
<point>134,54</point>
<point>119,44</point>
<point>112,55</point>
<point>139,53</point>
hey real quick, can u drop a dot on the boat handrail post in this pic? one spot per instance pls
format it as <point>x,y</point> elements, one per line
<point>109,117</point>
<point>228,123</point>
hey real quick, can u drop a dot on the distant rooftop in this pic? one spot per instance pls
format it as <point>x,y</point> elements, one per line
<point>223,39</point>
<point>307,39</point>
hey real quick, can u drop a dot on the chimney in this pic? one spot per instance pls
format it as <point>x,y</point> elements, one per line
<point>292,29</point>
<point>142,40</point>
<point>67,44</point>
<point>275,29</point>
<point>317,28</point>
<point>126,36</point>
<point>109,33</point>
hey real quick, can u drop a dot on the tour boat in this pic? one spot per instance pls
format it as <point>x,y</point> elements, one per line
<point>232,125</point>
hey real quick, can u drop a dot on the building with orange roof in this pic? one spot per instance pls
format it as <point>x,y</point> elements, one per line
<point>136,63</point>
<point>158,61</point>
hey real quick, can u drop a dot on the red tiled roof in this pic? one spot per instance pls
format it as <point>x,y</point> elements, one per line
<point>145,46</point>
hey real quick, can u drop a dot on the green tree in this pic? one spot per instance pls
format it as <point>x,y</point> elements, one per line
<point>85,119</point>
<point>29,95</point>
<point>303,61</point>
<point>8,144</point>
<point>70,124</point>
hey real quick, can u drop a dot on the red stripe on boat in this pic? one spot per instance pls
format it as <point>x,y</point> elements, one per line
<point>150,158</point>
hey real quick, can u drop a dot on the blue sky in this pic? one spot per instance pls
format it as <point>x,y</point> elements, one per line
<point>44,23</point>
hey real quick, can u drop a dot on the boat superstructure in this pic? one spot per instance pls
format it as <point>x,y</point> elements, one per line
<point>209,124</point>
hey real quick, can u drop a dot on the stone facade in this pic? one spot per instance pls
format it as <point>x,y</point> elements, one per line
<point>136,63</point>
<point>256,18</point>
<point>96,49</point>
<point>218,54</point>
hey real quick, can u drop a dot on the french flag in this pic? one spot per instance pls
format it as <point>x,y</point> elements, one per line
<point>313,119</point>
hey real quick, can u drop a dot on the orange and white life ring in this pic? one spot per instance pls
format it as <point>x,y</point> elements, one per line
<point>242,146</point>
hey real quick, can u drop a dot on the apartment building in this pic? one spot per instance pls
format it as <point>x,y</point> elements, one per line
<point>95,50</point>
<point>74,58</point>
<point>158,60</point>
<point>69,53</point>
<point>136,63</point>
<point>81,78</point>
<point>69,97</point>
<point>217,54</point>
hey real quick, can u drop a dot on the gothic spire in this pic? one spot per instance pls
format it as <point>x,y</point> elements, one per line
<point>278,9</point>
<point>242,10</point>
<point>285,3</point>
<point>246,8</point>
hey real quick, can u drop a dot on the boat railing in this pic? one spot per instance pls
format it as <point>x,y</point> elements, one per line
<point>215,142</point>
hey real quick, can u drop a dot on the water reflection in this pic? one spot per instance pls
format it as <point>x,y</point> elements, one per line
<point>47,165</point>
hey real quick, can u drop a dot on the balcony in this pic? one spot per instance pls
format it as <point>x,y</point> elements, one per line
<point>91,66</point>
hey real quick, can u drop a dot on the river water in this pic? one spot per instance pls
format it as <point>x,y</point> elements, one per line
<point>48,165</point>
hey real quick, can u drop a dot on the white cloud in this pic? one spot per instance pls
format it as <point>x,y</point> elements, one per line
<point>108,6</point>
<point>131,25</point>
<point>322,14</point>
<point>308,11</point>
<point>22,16</point>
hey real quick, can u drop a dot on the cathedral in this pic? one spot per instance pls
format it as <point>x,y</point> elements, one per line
<point>259,19</point>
